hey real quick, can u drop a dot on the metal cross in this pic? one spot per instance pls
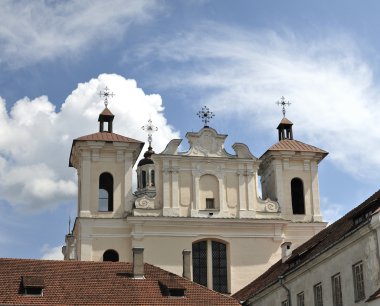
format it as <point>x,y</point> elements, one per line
<point>150,129</point>
<point>205,115</point>
<point>283,103</point>
<point>106,94</point>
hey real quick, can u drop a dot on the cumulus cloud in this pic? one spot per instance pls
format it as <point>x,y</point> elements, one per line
<point>331,211</point>
<point>332,89</point>
<point>31,31</point>
<point>35,138</point>
<point>51,253</point>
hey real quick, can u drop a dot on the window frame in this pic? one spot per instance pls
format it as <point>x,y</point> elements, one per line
<point>216,270</point>
<point>336,287</point>
<point>106,184</point>
<point>301,299</point>
<point>210,201</point>
<point>358,281</point>
<point>297,193</point>
<point>318,294</point>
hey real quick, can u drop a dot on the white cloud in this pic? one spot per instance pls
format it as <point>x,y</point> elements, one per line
<point>51,253</point>
<point>331,211</point>
<point>31,31</point>
<point>332,89</point>
<point>35,139</point>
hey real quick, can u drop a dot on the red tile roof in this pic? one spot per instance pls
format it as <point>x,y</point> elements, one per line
<point>106,136</point>
<point>314,246</point>
<point>98,283</point>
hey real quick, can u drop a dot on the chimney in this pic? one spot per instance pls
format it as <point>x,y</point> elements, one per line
<point>186,264</point>
<point>138,263</point>
<point>286,250</point>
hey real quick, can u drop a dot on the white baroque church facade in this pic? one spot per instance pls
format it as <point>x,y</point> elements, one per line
<point>205,201</point>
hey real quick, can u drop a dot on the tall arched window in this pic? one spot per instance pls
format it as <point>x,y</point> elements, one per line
<point>105,192</point>
<point>110,255</point>
<point>215,253</point>
<point>298,199</point>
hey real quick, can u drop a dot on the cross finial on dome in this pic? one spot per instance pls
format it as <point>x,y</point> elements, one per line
<point>106,94</point>
<point>150,129</point>
<point>283,103</point>
<point>205,115</point>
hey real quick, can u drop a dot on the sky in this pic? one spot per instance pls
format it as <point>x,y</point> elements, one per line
<point>165,60</point>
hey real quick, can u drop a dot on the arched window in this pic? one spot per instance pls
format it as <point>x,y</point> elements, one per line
<point>214,252</point>
<point>105,192</point>
<point>110,255</point>
<point>298,199</point>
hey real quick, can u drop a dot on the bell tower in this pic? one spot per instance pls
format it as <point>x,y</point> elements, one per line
<point>104,162</point>
<point>289,174</point>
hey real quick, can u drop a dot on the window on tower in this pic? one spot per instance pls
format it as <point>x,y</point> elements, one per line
<point>298,199</point>
<point>105,192</point>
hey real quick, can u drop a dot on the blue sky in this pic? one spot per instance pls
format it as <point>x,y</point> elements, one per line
<point>165,60</point>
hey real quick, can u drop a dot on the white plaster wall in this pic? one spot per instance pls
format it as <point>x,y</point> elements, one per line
<point>362,246</point>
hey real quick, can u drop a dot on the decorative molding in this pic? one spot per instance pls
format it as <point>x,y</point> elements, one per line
<point>144,202</point>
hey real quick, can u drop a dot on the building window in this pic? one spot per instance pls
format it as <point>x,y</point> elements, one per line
<point>33,285</point>
<point>143,179</point>
<point>210,204</point>
<point>301,299</point>
<point>210,259</point>
<point>285,303</point>
<point>199,252</point>
<point>336,290</point>
<point>357,271</point>
<point>105,192</point>
<point>318,299</point>
<point>110,255</point>
<point>208,192</point>
<point>298,199</point>
<point>152,180</point>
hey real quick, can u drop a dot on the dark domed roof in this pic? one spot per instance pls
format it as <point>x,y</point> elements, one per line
<point>147,158</point>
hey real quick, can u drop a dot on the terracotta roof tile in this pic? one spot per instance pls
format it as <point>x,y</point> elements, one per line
<point>314,246</point>
<point>98,283</point>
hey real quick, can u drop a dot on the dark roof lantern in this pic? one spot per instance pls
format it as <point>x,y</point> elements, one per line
<point>285,129</point>
<point>147,158</point>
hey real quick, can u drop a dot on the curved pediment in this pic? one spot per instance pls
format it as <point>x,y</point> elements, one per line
<point>207,142</point>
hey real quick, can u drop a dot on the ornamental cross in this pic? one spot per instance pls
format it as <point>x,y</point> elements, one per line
<point>106,94</point>
<point>205,115</point>
<point>283,103</point>
<point>150,129</point>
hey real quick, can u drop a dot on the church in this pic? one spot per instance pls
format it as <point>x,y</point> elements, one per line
<point>203,203</point>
